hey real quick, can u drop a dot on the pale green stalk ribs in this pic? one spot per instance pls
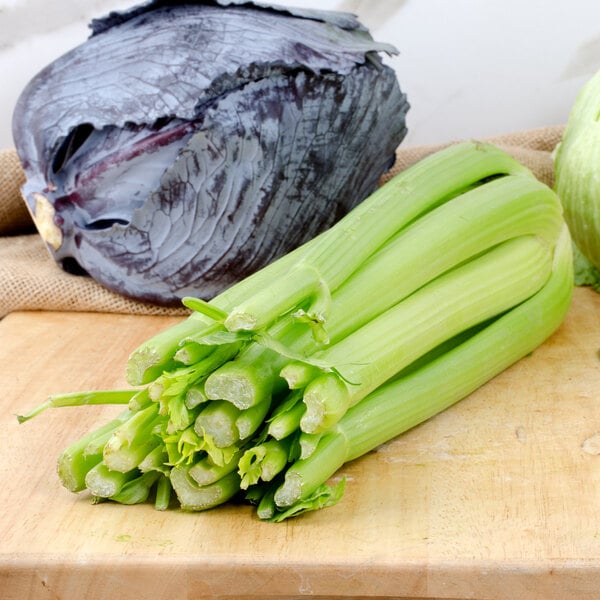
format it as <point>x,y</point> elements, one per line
<point>407,401</point>
<point>445,276</point>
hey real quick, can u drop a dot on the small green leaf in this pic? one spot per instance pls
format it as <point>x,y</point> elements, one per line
<point>205,308</point>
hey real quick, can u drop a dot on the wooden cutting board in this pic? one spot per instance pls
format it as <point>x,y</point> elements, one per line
<point>498,497</point>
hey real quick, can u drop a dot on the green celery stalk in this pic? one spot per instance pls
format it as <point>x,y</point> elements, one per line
<point>457,300</point>
<point>358,235</point>
<point>403,403</point>
<point>285,419</point>
<point>507,207</point>
<point>132,441</point>
<point>137,490</point>
<point>102,482</point>
<point>337,252</point>
<point>251,419</point>
<point>217,420</point>
<point>77,459</point>
<point>205,471</point>
<point>163,493</point>
<point>95,397</point>
<point>263,462</point>
<point>194,497</point>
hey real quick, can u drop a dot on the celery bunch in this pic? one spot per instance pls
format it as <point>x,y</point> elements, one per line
<point>444,277</point>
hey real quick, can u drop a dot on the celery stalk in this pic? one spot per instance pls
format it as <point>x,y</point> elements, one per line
<point>403,403</point>
<point>192,496</point>
<point>477,220</point>
<point>205,471</point>
<point>102,482</point>
<point>218,421</point>
<point>163,493</point>
<point>137,490</point>
<point>454,302</point>
<point>95,397</point>
<point>358,235</point>
<point>132,441</point>
<point>76,460</point>
<point>286,417</point>
<point>263,462</point>
<point>361,232</point>
<point>250,419</point>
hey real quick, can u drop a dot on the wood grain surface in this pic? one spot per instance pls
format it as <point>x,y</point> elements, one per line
<point>496,498</point>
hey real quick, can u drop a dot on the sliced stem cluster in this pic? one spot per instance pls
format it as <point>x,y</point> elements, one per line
<point>445,276</point>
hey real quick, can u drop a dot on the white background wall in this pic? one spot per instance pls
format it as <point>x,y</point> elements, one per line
<point>471,68</point>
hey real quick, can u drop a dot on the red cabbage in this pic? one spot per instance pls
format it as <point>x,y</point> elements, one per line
<point>183,146</point>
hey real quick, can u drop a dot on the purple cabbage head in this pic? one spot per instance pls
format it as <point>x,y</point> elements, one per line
<point>183,146</point>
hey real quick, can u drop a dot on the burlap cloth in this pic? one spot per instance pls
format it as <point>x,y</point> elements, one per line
<point>31,280</point>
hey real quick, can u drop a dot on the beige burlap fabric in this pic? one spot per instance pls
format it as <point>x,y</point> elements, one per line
<point>30,280</point>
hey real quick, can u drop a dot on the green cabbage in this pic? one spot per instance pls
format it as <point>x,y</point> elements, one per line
<point>577,173</point>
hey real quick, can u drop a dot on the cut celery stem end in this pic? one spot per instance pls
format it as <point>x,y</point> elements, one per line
<point>469,294</point>
<point>262,462</point>
<point>195,396</point>
<point>266,507</point>
<point>286,422</point>
<point>251,419</point>
<point>150,359</point>
<point>140,400</point>
<point>304,477</point>
<point>163,493</point>
<point>156,354</point>
<point>191,352</point>
<point>102,482</point>
<point>193,497</point>
<point>137,490</point>
<point>326,399</point>
<point>75,461</point>
<point>350,242</point>
<point>249,379</point>
<point>155,460</point>
<point>132,441</point>
<point>179,380</point>
<point>403,403</point>
<point>285,416</point>
<point>96,445</point>
<point>298,374</point>
<point>87,398</point>
<point>218,420</point>
<point>268,304</point>
<point>308,443</point>
<point>206,471</point>
<point>123,458</point>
